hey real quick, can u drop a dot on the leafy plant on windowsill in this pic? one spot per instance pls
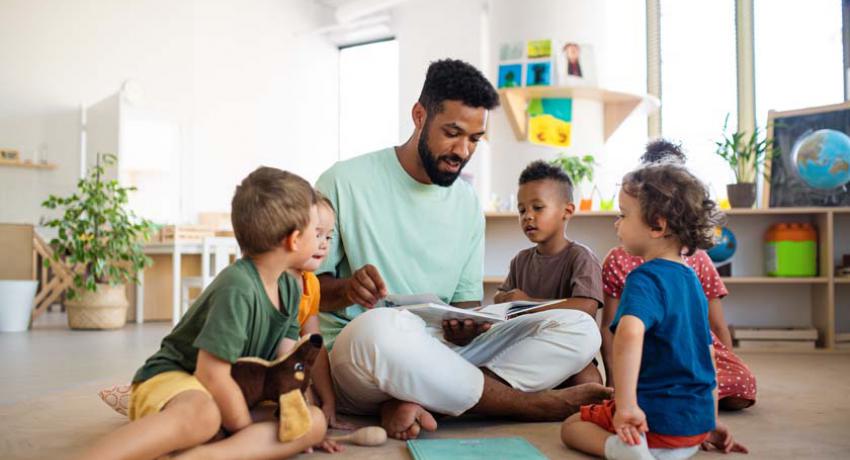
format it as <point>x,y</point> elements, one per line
<point>98,237</point>
<point>746,154</point>
<point>580,169</point>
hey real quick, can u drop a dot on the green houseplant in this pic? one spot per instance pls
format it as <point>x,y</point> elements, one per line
<point>746,154</point>
<point>101,240</point>
<point>580,170</point>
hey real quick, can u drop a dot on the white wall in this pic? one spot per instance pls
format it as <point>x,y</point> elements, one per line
<point>615,29</point>
<point>264,93</point>
<point>234,74</point>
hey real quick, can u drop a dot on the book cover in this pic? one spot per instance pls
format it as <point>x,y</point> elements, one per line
<point>471,449</point>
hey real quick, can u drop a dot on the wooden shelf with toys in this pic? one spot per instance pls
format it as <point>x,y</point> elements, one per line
<point>755,300</point>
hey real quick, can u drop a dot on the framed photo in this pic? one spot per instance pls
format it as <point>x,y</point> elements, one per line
<point>575,64</point>
<point>812,166</point>
<point>538,73</point>
<point>10,154</point>
<point>510,75</point>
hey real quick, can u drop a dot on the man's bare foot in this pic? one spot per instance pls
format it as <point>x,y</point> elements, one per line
<point>404,420</point>
<point>556,405</point>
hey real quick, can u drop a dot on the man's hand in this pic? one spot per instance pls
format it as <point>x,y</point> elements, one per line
<point>630,423</point>
<point>510,296</point>
<point>366,287</point>
<point>461,333</point>
<point>722,440</point>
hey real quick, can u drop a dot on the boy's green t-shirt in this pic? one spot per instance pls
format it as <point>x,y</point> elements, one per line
<point>422,238</point>
<point>232,318</point>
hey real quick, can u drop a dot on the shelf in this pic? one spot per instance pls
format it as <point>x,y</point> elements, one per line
<point>730,212</point>
<point>780,211</point>
<point>730,280</point>
<point>617,105</point>
<point>773,280</point>
<point>842,280</point>
<point>515,215</point>
<point>21,164</point>
<point>768,351</point>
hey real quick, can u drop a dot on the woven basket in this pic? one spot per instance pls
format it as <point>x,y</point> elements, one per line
<point>105,308</point>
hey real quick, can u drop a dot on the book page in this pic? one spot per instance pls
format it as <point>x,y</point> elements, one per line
<point>400,300</point>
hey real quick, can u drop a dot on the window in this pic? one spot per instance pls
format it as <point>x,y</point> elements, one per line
<point>699,82</point>
<point>798,55</point>
<point>368,97</point>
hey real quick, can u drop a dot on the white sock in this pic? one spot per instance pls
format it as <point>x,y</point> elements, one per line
<point>616,449</point>
<point>680,453</point>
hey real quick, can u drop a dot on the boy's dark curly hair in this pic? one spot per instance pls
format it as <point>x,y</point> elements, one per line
<point>540,170</point>
<point>668,190</point>
<point>663,150</point>
<point>455,80</point>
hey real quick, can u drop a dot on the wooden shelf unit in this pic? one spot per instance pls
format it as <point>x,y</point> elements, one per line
<point>819,296</point>
<point>22,164</point>
<point>617,106</point>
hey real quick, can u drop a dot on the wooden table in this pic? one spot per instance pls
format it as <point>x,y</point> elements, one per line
<point>176,250</point>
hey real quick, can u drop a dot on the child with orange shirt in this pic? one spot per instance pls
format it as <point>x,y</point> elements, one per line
<point>308,310</point>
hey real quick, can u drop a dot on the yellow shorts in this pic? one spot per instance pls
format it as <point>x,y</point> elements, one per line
<point>150,396</point>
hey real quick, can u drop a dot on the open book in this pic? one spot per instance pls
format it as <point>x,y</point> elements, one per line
<point>434,311</point>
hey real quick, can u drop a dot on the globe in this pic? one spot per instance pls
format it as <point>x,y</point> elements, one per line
<point>823,158</point>
<point>725,245</point>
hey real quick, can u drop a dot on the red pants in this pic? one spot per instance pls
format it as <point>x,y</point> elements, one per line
<point>603,415</point>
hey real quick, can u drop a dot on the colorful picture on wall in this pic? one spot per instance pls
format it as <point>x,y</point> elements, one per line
<point>510,75</point>
<point>538,74</point>
<point>510,51</point>
<point>550,121</point>
<point>539,49</point>
<point>812,167</point>
<point>575,64</point>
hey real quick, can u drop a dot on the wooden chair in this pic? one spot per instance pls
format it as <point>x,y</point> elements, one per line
<point>215,256</point>
<point>26,256</point>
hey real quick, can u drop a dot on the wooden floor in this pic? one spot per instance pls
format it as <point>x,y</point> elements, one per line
<point>49,407</point>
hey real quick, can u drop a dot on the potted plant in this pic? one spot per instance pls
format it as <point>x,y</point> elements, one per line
<point>746,154</point>
<point>580,170</point>
<point>101,240</point>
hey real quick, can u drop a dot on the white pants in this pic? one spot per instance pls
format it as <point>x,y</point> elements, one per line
<point>388,354</point>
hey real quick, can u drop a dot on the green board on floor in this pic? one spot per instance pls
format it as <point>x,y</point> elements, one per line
<point>474,449</point>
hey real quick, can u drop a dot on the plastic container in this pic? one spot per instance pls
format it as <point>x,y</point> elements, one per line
<point>16,299</point>
<point>791,250</point>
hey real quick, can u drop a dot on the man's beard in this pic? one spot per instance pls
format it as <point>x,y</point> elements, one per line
<point>443,179</point>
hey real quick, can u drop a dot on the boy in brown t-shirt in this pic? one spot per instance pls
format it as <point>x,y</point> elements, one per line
<point>556,268</point>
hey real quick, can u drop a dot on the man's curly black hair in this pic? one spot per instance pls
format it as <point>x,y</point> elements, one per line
<point>663,150</point>
<point>455,80</point>
<point>541,170</point>
<point>669,191</point>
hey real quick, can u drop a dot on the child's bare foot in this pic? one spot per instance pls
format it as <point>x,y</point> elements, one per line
<point>733,403</point>
<point>556,405</point>
<point>404,420</point>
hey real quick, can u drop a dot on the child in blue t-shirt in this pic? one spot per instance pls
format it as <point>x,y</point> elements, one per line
<point>664,404</point>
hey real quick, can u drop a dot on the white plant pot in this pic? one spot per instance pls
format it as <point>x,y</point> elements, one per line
<point>16,299</point>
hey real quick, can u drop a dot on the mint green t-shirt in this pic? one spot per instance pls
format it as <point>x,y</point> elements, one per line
<point>232,318</point>
<point>421,238</point>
